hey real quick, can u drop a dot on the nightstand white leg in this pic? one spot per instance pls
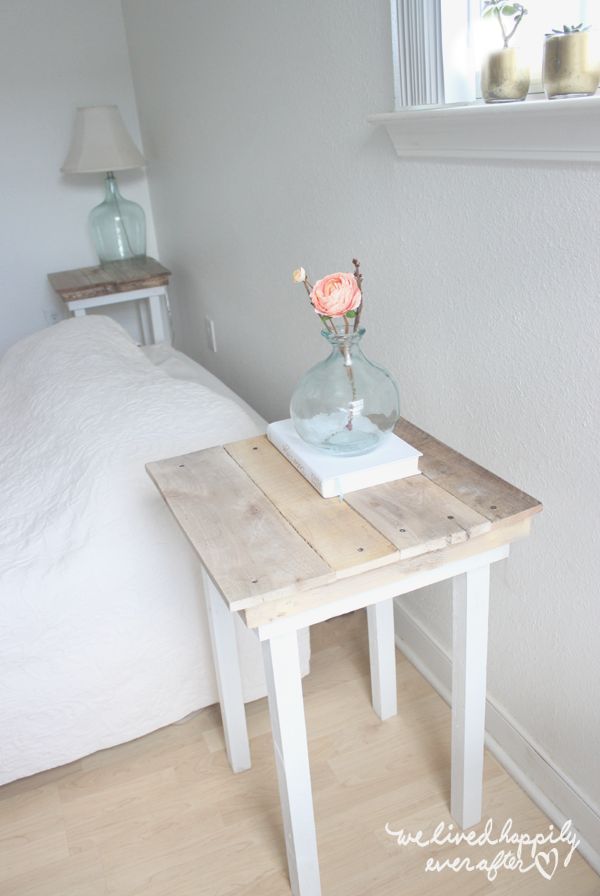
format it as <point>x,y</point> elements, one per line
<point>229,683</point>
<point>382,654</point>
<point>470,604</point>
<point>156,318</point>
<point>286,706</point>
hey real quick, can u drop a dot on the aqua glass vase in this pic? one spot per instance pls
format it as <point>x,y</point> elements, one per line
<point>118,225</point>
<point>345,405</point>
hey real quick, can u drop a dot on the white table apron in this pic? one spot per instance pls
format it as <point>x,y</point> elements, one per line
<point>154,295</point>
<point>279,639</point>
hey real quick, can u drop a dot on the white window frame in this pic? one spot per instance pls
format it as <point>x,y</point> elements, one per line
<point>422,33</point>
<point>417,52</point>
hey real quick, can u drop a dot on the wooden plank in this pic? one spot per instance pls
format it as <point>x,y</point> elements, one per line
<point>109,278</point>
<point>249,550</point>
<point>354,592</point>
<point>488,494</point>
<point>417,515</point>
<point>346,541</point>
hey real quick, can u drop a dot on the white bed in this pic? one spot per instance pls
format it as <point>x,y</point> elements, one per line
<point>103,636</point>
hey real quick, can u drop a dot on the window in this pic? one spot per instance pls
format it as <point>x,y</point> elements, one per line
<point>438,44</point>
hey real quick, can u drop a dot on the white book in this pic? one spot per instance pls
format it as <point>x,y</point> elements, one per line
<point>333,475</point>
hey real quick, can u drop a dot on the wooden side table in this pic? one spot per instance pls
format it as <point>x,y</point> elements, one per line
<point>114,282</point>
<point>283,558</point>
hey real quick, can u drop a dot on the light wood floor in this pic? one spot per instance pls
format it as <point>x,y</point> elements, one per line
<point>164,816</point>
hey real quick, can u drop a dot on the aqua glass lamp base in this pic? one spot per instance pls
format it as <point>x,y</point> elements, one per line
<point>118,225</point>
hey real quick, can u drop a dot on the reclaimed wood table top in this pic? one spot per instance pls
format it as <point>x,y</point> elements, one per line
<point>109,278</point>
<point>274,546</point>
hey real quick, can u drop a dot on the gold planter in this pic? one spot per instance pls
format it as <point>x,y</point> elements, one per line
<point>504,77</point>
<point>571,68</point>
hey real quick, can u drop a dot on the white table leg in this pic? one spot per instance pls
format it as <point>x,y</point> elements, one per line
<point>79,312</point>
<point>470,629</point>
<point>156,318</point>
<point>382,654</point>
<point>286,706</point>
<point>227,668</point>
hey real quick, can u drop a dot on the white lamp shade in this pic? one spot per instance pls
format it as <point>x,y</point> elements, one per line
<point>101,142</point>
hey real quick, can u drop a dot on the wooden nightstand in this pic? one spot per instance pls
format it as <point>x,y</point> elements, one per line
<point>284,558</point>
<point>114,282</point>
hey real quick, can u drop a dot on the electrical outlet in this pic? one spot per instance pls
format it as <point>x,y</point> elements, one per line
<point>210,334</point>
<point>51,316</point>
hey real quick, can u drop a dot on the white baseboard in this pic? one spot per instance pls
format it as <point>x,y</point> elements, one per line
<point>547,786</point>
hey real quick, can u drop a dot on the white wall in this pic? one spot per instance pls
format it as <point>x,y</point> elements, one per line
<point>481,282</point>
<point>54,56</point>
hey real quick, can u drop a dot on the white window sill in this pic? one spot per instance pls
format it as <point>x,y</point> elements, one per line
<point>561,129</point>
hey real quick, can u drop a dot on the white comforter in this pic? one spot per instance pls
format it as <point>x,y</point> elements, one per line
<point>102,631</point>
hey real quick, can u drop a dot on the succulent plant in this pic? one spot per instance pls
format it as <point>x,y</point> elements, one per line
<point>569,29</point>
<point>500,8</point>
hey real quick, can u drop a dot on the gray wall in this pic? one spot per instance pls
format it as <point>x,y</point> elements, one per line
<point>481,285</point>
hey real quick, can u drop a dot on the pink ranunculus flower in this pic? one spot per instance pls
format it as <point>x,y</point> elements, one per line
<point>335,294</point>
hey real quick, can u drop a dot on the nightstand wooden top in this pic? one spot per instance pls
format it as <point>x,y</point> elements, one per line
<point>274,546</point>
<point>109,278</point>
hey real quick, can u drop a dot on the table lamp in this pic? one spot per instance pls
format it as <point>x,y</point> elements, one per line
<point>101,142</point>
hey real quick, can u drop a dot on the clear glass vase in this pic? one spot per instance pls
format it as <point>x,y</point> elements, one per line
<point>118,225</point>
<point>345,404</point>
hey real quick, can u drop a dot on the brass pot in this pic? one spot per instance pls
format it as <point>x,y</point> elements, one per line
<point>504,77</point>
<point>570,67</point>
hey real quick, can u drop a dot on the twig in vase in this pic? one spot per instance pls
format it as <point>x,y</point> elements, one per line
<point>359,280</point>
